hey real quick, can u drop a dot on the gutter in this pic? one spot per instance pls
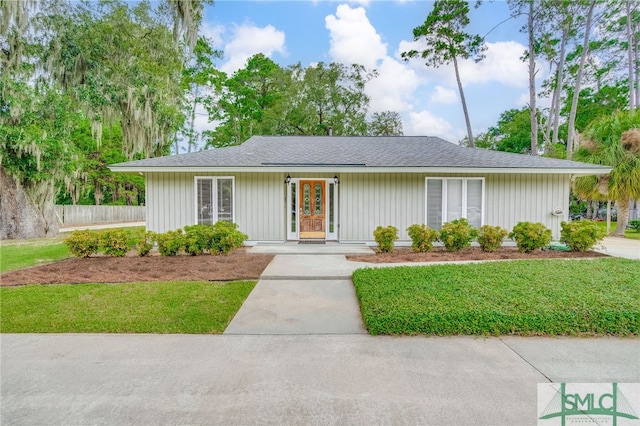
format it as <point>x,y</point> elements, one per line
<point>297,168</point>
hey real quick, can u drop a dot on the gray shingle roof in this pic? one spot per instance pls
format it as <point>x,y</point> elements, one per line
<point>337,152</point>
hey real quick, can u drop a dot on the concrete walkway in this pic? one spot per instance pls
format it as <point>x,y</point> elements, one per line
<point>620,247</point>
<point>302,294</point>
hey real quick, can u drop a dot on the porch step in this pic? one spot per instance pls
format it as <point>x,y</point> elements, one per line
<point>329,248</point>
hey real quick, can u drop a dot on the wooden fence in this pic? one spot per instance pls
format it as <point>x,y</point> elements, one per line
<point>83,215</point>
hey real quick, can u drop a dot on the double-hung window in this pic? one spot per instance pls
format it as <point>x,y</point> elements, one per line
<point>214,199</point>
<point>454,198</point>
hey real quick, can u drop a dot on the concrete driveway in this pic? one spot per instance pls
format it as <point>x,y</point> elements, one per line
<point>294,380</point>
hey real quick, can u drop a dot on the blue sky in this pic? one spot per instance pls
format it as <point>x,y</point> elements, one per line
<point>374,33</point>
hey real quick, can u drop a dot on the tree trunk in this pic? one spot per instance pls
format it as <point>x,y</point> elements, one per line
<point>549,125</point>
<point>97,192</point>
<point>637,63</point>
<point>576,90</point>
<point>532,84</point>
<point>630,56</point>
<point>559,80</point>
<point>194,105</point>
<point>623,216</point>
<point>472,143</point>
<point>19,215</point>
<point>595,213</point>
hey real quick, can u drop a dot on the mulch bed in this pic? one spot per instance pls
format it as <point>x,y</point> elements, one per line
<point>237,265</point>
<point>439,254</point>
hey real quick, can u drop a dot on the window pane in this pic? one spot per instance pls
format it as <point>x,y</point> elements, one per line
<point>306,199</point>
<point>434,203</point>
<point>294,216</point>
<point>205,210</point>
<point>331,207</point>
<point>474,202</point>
<point>454,199</point>
<point>318,199</point>
<point>225,200</point>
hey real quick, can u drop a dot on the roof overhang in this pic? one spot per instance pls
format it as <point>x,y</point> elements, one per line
<point>297,168</point>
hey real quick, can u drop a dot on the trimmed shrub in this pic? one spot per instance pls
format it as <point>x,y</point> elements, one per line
<point>490,237</point>
<point>114,242</point>
<point>226,237</point>
<point>145,244</point>
<point>83,243</point>
<point>422,237</point>
<point>457,234</point>
<point>530,236</point>
<point>385,236</point>
<point>198,238</point>
<point>635,225</point>
<point>581,235</point>
<point>170,243</point>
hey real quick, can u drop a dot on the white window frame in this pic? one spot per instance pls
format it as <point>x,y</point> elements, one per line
<point>214,196</point>
<point>443,207</point>
<point>329,236</point>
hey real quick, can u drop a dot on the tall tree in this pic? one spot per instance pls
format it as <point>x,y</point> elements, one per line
<point>565,16</point>
<point>197,81</point>
<point>109,62</point>
<point>631,20</point>
<point>533,10</point>
<point>576,90</point>
<point>385,123</point>
<point>265,99</point>
<point>242,102</point>
<point>444,41</point>
<point>327,99</point>
<point>510,134</point>
<point>612,141</point>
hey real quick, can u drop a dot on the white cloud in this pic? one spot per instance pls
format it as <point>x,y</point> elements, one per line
<point>445,96</point>
<point>502,64</point>
<point>214,33</point>
<point>424,123</point>
<point>353,38</point>
<point>248,40</point>
<point>393,88</point>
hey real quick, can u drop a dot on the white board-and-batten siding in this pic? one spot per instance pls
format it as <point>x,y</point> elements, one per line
<point>365,200</point>
<point>259,202</point>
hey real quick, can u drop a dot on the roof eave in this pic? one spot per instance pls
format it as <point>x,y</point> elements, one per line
<point>576,171</point>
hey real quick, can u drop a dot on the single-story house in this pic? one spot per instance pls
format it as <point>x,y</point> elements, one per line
<point>290,188</point>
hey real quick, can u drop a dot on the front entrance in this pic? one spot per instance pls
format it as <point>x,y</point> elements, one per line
<point>312,209</point>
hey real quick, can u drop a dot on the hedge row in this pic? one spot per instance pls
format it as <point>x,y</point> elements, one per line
<point>219,238</point>
<point>458,234</point>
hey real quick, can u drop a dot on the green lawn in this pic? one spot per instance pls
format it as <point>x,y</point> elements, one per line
<point>17,254</point>
<point>629,233</point>
<point>156,307</point>
<point>538,297</point>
